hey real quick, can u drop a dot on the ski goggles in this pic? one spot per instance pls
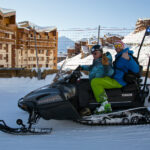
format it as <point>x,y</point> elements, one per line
<point>118,45</point>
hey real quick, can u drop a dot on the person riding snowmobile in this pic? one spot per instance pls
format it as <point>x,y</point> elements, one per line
<point>124,62</point>
<point>102,66</point>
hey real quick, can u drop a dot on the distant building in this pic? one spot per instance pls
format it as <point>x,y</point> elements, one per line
<point>93,41</point>
<point>18,43</point>
<point>84,51</point>
<point>72,51</point>
<point>45,40</point>
<point>142,24</point>
<point>61,56</point>
<point>78,46</point>
<point>109,39</point>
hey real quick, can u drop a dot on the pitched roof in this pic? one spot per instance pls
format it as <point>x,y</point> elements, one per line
<point>7,12</point>
<point>28,24</point>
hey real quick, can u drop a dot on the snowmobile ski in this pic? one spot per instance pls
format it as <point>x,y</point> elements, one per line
<point>134,116</point>
<point>23,130</point>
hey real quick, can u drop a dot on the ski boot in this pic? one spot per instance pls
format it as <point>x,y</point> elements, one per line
<point>104,108</point>
<point>85,112</point>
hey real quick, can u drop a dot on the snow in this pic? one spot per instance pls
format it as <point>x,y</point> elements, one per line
<point>5,11</point>
<point>36,27</point>
<point>144,19</point>
<point>72,63</point>
<point>136,38</point>
<point>66,134</point>
<point>85,49</point>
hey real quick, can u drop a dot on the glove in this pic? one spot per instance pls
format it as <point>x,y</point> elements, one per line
<point>125,55</point>
<point>79,68</point>
<point>105,60</point>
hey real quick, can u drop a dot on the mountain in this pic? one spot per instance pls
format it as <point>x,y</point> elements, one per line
<point>64,43</point>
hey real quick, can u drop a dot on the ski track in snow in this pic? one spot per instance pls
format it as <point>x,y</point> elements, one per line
<point>66,134</point>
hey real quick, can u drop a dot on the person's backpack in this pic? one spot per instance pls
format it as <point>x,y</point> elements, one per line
<point>130,77</point>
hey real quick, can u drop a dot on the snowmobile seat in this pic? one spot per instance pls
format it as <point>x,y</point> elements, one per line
<point>127,96</point>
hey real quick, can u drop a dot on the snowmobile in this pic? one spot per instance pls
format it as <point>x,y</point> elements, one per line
<point>59,101</point>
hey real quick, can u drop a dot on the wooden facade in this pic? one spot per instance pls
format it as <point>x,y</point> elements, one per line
<point>7,38</point>
<point>18,44</point>
<point>29,40</point>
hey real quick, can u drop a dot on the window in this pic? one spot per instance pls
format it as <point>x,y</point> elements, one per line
<point>13,36</point>
<point>6,35</point>
<point>0,45</point>
<point>32,51</point>
<point>6,48</point>
<point>54,33</point>
<point>1,56</point>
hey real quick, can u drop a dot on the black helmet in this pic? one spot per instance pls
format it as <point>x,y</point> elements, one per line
<point>96,48</point>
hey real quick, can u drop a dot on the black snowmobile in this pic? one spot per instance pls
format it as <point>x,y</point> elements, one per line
<point>59,101</point>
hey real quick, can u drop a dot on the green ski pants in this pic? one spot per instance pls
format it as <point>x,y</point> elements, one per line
<point>100,84</point>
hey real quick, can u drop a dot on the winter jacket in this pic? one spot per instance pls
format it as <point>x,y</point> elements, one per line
<point>122,66</point>
<point>97,70</point>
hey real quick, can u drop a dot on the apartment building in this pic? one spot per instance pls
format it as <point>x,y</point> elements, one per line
<point>21,44</point>
<point>33,41</point>
<point>7,38</point>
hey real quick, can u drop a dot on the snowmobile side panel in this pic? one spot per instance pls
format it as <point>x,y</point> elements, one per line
<point>127,96</point>
<point>59,110</point>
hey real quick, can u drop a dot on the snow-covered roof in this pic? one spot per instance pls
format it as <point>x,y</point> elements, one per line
<point>93,40</point>
<point>5,11</point>
<point>83,40</point>
<point>71,47</point>
<point>143,19</point>
<point>28,24</point>
<point>61,54</point>
<point>113,35</point>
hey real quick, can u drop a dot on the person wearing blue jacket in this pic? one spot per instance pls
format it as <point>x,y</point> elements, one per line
<point>123,63</point>
<point>101,66</point>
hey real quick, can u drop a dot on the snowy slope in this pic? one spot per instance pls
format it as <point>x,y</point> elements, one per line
<point>136,38</point>
<point>66,135</point>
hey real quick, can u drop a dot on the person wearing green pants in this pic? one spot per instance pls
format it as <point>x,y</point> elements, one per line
<point>124,62</point>
<point>98,86</point>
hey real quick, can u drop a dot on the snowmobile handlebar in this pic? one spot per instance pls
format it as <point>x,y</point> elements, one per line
<point>72,78</point>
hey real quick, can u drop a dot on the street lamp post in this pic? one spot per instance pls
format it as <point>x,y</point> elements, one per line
<point>37,59</point>
<point>98,35</point>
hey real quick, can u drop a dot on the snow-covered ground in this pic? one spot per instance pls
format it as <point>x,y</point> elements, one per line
<point>66,135</point>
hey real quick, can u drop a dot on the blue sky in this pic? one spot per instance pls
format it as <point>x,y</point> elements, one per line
<point>66,14</point>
